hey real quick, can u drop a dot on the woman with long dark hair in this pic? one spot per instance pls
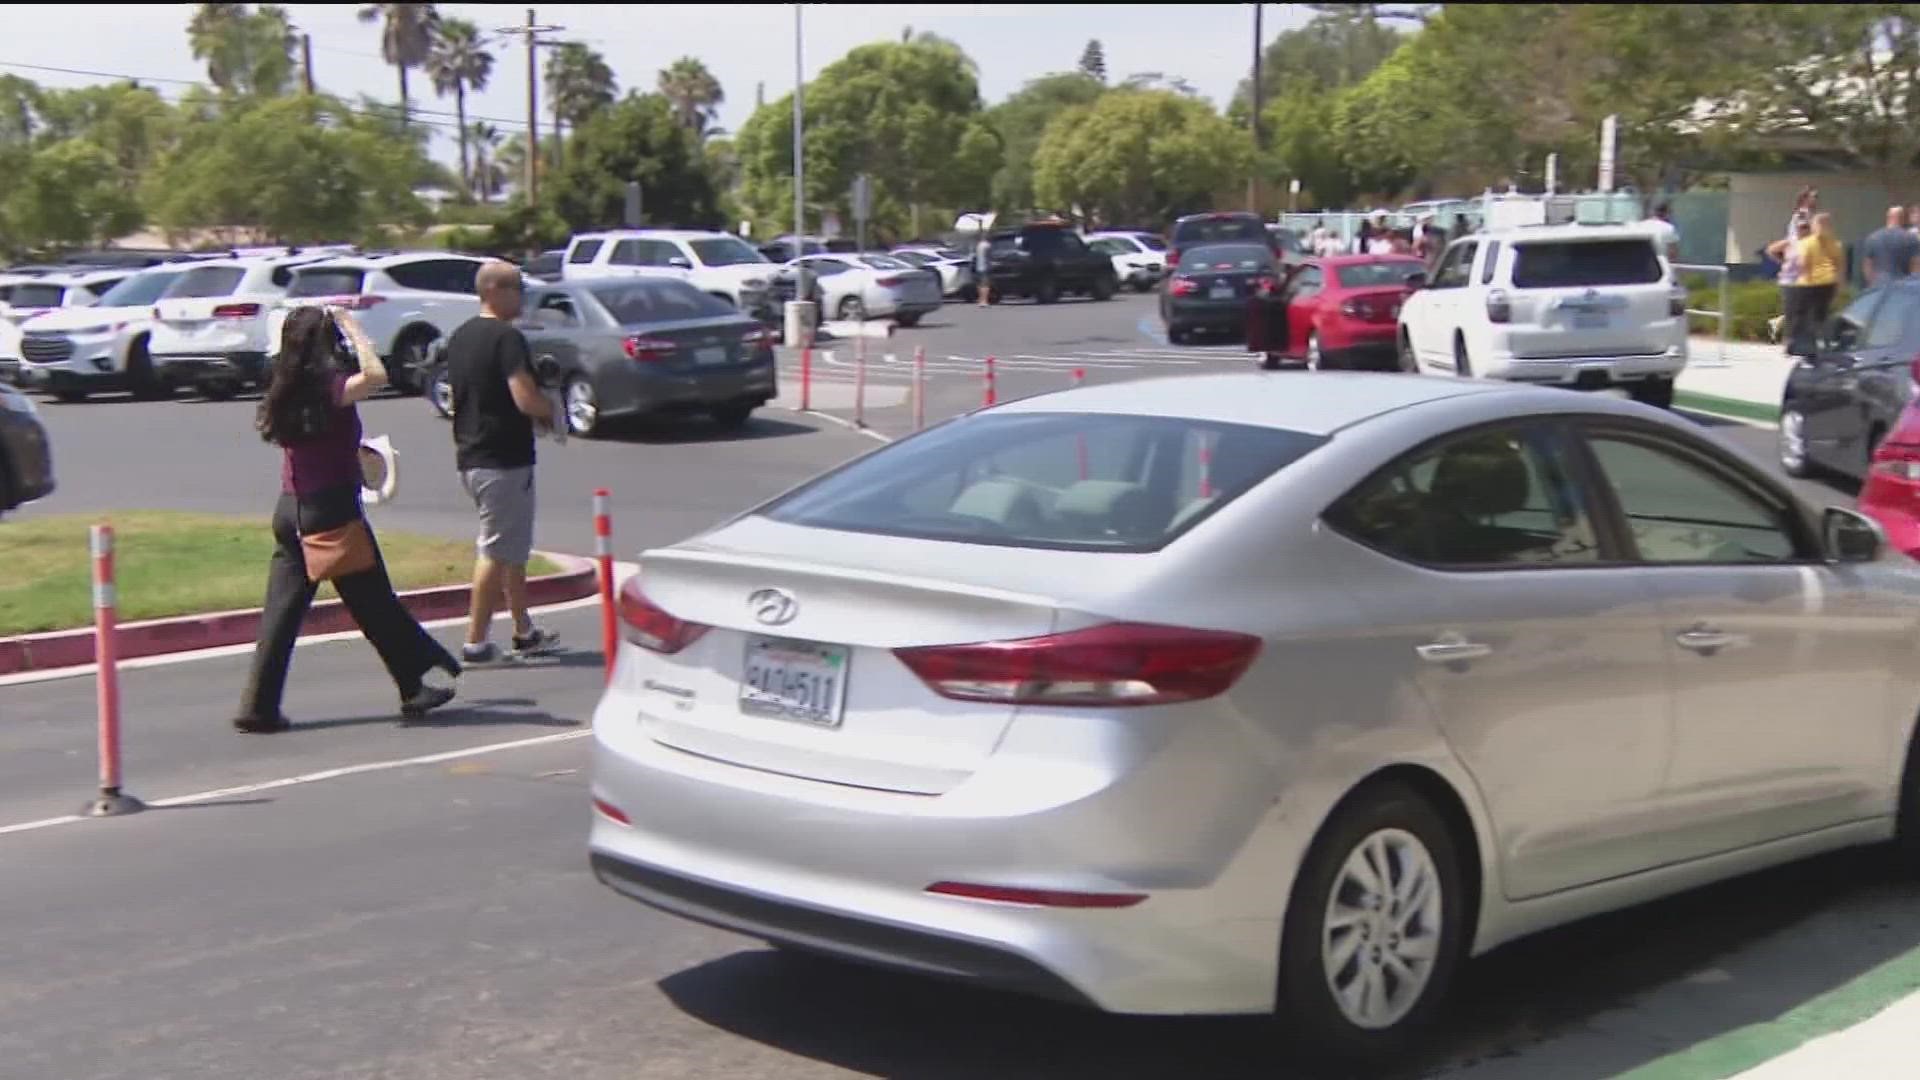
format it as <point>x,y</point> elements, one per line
<point>319,528</point>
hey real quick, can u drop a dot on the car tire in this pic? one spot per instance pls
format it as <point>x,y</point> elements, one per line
<point>1906,832</point>
<point>1402,945</point>
<point>1104,288</point>
<point>70,396</point>
<point>1876,435</point>
<point>1047,293</point>
<point>409,360</point>
<point>1791,445</point>
<point>1409,363</point>
<point>1143,286</point>
<point>1462,363</point>
<point>1177,334</point>
<point>851,309</point>
<point>733,416</point>
<point>581,404</point>
<point>221,390</point>
<point>908,321</point>
<point>438,391</point>
<point>142,382</point>
<point>1654,391</point>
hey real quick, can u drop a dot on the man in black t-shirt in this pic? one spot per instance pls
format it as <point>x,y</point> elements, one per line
<point>496,404</point>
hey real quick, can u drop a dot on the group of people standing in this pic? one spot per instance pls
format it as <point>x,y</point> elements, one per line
<point>324,367</point>
<point>1813,262</point>
<point>1374,237</point>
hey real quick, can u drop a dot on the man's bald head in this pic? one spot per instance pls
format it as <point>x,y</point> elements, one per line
<point>499,286</point>
<point>1896,217</point>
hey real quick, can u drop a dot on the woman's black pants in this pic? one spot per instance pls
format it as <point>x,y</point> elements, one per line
<point>405,647</point>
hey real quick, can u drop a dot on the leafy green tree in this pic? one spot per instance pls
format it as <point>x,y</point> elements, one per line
<point>1300,146</point>
<point>1137,155</point>
<point>459,62</point>
<point>1331,52</point>
<point>407,32</point>
<point>693,92</point>
<point>638,138</point>
<point>1019,121</point>
<point>19,110</point>
<point>246,50</point>
<point>579,83</point>
<point>70,193</point>
<point>1093,61</point>
<point>488,176</point>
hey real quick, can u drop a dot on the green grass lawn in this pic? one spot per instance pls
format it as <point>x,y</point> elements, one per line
<point>170,563</point>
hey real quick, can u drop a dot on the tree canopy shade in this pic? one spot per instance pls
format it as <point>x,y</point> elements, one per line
<point>636,138</point>
<point>1138,155</point>
<point>247,50</point>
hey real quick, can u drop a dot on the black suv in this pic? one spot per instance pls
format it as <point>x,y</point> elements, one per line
<point>1045,262</point>
<point>1227,227</point>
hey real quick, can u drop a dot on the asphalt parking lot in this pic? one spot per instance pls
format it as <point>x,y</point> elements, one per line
<point>352,902</point>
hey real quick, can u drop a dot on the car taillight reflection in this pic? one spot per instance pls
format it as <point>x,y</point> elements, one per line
<point>236,311</point>
<point>1116,664</point>
<point>648,350</point>
<point>649,626</point>
<point>1184,287</point>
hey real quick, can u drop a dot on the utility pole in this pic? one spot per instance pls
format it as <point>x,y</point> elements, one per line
<point>1253,180</point>
<point>531,34</point>
<point>306,61</point>
<point>799,155</point>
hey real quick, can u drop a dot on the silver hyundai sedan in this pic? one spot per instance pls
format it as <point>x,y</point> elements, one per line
<point>1252,692</point>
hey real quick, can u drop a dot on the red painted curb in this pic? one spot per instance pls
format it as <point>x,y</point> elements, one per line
<point>156,637</point>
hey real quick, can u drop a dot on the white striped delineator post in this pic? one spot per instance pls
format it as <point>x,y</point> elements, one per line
<point>603,554</point>
<point>111,801</point>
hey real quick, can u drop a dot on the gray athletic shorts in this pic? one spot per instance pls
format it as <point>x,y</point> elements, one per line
<point>505,500</point>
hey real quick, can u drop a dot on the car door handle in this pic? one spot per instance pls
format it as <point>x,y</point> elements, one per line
<point>1453,649</point>
<point>1706,641</point>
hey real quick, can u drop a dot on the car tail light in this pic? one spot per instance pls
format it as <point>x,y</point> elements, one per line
<point>1900,461</point>
<point>648,350</point>
<point>611,812</point>
<point>237,311</point>
<point>754,339</point>
<point>1499,306</point>
<point>1265,285</point>
<point>1184,287</point>
<point>1035,897</point>
<point>1173,256</point>
<point>894,281</point>
<point>650,627</point>
<point>1116,664</point>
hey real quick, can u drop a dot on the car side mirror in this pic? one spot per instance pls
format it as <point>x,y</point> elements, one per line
<point>1416,280</point>
<point>679,263</point>
<point>1848,536</point>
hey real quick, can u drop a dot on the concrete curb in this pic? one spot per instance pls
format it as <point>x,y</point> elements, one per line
<point>1754,412</point>
<point>577,580</point>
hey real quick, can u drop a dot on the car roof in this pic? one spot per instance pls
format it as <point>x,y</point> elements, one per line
<point>88,277</point>
<point>396,258</point>
<point>654,234</point>
<point>1219,215</point>
<point>1318,404</point>
<point>1361,260</point>
<point>1549,233</point>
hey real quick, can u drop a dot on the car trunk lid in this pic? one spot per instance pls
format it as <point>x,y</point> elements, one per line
<point>1604,296</point>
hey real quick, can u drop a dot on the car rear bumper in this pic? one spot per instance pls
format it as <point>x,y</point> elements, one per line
<point>1584,370</point>
<point>28,457</point>
<point>635,391</point>
<point>1219,314</point>
<point>845,870</point>
<point>179,369</point>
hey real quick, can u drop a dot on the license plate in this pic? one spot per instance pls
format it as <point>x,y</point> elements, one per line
<point>714,354</point>
<point>1589,320</point>
<point>1222,292</point>
<point>795,680</point>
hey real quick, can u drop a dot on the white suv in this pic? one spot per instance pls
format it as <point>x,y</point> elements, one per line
<point>1585,306</point>
<point>719,264</point>
<point>406,303</point>
<point>210,325</point>
<point>75,351</point>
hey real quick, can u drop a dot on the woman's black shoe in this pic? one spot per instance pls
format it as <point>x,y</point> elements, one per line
<point>424,700</point>
<point>260,725</point>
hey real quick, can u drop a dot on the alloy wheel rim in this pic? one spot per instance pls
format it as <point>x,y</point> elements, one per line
<point>442,392</point>
<point>1380,938</point>
<point>1793,439</point>
<point>582,411</point>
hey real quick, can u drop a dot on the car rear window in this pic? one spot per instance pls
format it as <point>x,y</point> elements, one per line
<point>1209,230</point>
<point>914,258</point>
<point>725,251</point>
<point>36,295</point>
<point>1569,264</point>
<point>205,281</point>
<point>583,252</point>
<point>1377,275</point>
<point>326,281</point>
<point>1152,243</point>
<point>634,303</point>
<point>1058,481</point>
<point>1227,257</point>
<point>952,253</point>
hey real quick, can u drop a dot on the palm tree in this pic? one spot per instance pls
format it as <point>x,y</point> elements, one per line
<point>487,175</point>
<point>246,52</point>
<point>406,38</point>
<point>578,82</point>
<point>459,63</point>
<point>693,92</point>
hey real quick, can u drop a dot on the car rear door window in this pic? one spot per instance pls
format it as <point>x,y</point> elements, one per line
<point>1490,262</point>
<point>1456,266</point>
<point>625,253</point>
<point>1044,480</point>
<point>326,281</point>
<point>1492,497</point>
<point>205,281</point>
<point>583,251</point>
<point>1679,508</point>
<point>658,300</point>
<point>1570,264</point>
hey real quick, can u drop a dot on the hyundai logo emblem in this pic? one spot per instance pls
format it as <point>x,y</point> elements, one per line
<point>774,607</point>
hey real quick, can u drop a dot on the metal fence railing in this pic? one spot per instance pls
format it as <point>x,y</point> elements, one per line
<point>1724,315</point>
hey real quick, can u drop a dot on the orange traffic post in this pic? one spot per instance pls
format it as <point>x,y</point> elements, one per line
<point>992,396</point>
<point>603,554</point>
<point>806,376</point>
<point>106,633</point>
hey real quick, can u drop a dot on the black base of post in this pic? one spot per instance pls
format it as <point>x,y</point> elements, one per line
<point>112,803</point>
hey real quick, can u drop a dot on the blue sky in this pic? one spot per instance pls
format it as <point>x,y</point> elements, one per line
<point>1210,45</point>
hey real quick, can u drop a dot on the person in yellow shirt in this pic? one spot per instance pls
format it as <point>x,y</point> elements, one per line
<point>1822,258</point>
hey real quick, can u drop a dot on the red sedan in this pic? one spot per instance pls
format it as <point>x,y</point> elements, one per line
<point>1340,312</point>
<point>1891,494</point>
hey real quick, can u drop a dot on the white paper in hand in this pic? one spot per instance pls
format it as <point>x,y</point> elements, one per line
<point>379,471</point>
<point>557,431</point>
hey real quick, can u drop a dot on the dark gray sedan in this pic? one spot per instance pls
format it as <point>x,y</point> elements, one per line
<point>631,347</point>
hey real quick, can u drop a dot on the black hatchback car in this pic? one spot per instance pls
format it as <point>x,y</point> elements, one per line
<point>26,458</point>
<point>1840,402</point>
<point>1209,290</point>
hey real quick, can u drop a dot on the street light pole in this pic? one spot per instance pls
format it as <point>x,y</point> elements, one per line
<point>531,33</point>
<point>1253,180</point>
<point>799,156</point>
